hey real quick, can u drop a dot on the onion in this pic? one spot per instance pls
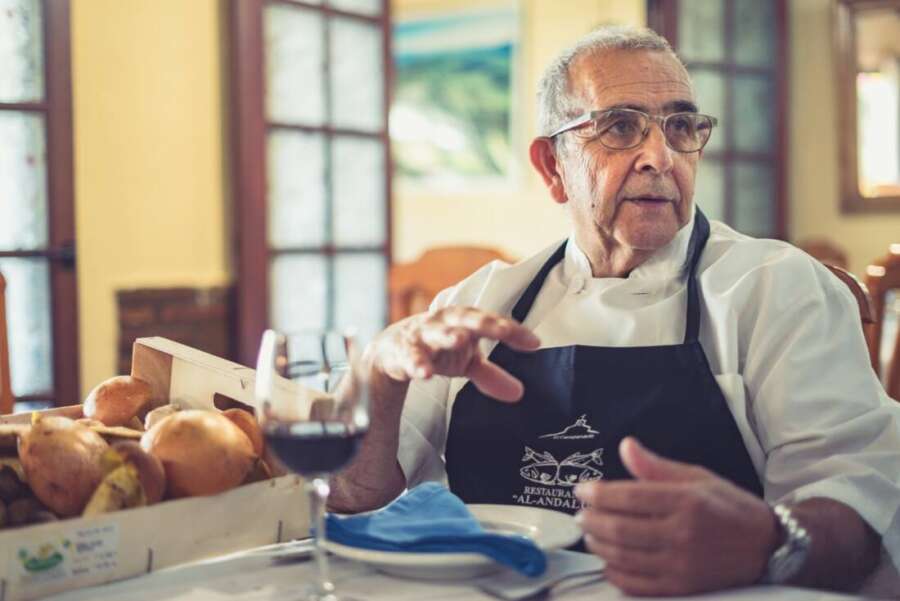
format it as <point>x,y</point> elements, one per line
<point>61,459</point>
<point>117,400</point>
<point>202,452</point>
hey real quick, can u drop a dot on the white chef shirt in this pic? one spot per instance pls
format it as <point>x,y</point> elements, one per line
<point>783,339</point>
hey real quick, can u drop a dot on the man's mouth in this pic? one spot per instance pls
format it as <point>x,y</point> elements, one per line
<point>650,199</point>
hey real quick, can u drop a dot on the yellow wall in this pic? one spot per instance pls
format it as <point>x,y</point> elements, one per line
<point>149,169</point>
<point>814,179</point>
<point>519,218</point>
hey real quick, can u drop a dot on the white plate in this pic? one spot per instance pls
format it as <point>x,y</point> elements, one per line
<point>548,529</point>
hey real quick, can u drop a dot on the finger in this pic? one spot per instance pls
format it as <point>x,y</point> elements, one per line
<point>622,530</point>
<point>441,337</point>
<point>493,381</point>
<point>418,361</point>
<point>635,561</point>
<point>647,465</point>
<point>632,497</point>
<point>495,327</point>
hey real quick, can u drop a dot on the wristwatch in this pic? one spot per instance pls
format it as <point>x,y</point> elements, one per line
<point>787,559</point>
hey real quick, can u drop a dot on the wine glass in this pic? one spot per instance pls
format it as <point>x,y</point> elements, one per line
<point>313,406</point>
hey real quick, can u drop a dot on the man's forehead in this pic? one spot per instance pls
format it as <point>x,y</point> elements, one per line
<point>650,78</point>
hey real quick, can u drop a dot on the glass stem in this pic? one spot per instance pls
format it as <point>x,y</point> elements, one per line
<point>318,490</point>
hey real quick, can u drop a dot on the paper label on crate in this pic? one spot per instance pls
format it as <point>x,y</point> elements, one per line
<point>78,553</point>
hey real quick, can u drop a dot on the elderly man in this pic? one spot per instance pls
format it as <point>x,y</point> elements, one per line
<point>702,399</point>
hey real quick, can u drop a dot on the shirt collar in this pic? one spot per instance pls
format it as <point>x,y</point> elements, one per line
<point>664,264</point>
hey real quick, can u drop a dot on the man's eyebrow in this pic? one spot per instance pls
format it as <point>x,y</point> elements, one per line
<point>680,106</point>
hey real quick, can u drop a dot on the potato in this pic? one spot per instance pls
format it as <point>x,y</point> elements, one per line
<point>246,421</point>
<point>11,487</point>
<point>202,452</point>
<point>117,400</point>
<point>149,468</point>
<point>61,459</point>
<point>22,511</point>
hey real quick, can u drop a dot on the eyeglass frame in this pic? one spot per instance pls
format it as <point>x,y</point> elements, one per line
<point>659,119</point>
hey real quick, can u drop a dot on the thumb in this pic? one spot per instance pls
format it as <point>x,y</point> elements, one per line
<point>646,465</point>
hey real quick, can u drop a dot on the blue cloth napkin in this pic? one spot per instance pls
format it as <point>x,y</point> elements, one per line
<point>431,519</point>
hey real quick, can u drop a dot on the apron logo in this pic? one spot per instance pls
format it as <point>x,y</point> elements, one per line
<point>543,468</point>
<point>550,481</point>
<point>580,429</point>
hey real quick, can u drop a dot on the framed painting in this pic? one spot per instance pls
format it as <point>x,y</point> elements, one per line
<point>451,118</point>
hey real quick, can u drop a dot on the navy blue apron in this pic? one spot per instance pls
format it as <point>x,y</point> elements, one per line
<point>581,401</point>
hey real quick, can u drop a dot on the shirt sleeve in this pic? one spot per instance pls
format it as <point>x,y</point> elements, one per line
<point>825,423</point>
<point>423,423</point>
<point>423,430</point>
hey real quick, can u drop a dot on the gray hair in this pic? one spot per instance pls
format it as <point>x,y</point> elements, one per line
<point>555,104</point>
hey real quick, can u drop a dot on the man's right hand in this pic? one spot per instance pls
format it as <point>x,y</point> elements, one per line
<point>445,342</point>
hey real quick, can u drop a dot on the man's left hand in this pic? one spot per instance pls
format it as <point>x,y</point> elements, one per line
<point>676,529</point>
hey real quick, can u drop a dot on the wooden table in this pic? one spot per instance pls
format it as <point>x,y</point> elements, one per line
<point>256,577</point>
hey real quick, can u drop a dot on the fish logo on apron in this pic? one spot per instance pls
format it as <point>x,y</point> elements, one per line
<point>544,469</point>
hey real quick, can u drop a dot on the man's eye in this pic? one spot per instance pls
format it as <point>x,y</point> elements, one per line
<point>682,124</point>
<point>623,128</point>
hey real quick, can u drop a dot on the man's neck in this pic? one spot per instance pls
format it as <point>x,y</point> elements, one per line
<point>609,258</point>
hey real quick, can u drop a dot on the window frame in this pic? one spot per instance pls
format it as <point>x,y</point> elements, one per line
<point>662,17</point>
<point>249,129</point>
<point>56,108</point>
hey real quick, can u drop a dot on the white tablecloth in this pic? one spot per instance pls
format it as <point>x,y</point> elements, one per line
<point>258,578</point>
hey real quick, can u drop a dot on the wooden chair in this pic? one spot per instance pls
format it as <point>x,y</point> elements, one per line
<point>882,276</point>
<point>825,251</point>
<point>863,299</point>
<point>414,285</point>
<point>6,396</point>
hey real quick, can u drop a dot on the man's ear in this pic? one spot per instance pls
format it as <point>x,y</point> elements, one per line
<point>543,158</point>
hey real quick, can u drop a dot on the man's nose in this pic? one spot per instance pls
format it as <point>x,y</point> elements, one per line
<point>654,154</point>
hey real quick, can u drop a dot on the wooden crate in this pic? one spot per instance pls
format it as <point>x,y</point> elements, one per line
<point>49,558</point>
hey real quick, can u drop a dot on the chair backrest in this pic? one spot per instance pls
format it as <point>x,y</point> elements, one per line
<point>883,276</point>
<point>867,313</point>
<point>6,396</point>
<point>825,251</point>
<point>414,285</point>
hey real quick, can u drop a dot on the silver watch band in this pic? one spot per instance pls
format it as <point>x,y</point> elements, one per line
<point>790,557</point>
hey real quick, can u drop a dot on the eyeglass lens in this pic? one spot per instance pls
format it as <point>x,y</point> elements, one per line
<point>622,129</point>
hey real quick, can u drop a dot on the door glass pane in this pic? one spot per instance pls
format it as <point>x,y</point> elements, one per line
<point>23,181</point>
<point>701,29</point>
<point>358,182</point>
<point>363,7</point>
<point>21,51</point>
<point>357,75</point>
<point>296,180</point>
<point>299,292</point>
<point>709,90</point>
<point>754,202</point>
<point>294,39</point>
<point>30,342</point>
<point>709,190</point>
<point>754,32</point>
<point>361,292</point>
<point>754,98</point>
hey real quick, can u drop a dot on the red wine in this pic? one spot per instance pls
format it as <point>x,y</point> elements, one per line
<point>313,448</point>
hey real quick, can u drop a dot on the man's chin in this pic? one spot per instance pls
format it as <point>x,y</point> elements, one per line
<point>646,234</point>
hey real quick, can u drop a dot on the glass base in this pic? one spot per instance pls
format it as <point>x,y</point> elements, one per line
<point>314,594</point>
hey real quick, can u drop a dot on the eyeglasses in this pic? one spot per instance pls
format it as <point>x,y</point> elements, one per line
<point>621,129</point>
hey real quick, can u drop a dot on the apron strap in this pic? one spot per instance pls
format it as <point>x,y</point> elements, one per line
<point>520,311</point>
<point>699,236</point>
